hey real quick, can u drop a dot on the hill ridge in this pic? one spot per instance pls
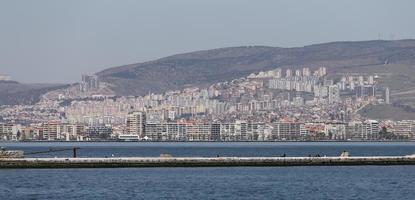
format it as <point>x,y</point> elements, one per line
<point>205,67</point>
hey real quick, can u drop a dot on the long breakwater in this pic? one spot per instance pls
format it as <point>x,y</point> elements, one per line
<point>125,162</point>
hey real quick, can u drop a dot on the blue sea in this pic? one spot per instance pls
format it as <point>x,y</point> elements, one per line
<point>328,182</point>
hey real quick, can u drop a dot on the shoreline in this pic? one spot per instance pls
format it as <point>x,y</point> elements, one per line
<point>115,141</point>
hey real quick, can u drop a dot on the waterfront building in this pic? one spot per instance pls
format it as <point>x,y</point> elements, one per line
<point>370,130</point>
<point>166,131</point>
<point>336,131</point>
<point>233,131</point>
<point>215,131</point>
<point>286,131</point>
<point>6,131</point>
<point>49,130</point>
<point>136,123</point>
<point>404,128</point>
<point>71,132</point>
<point>198,132</point>
<point>99,132</point>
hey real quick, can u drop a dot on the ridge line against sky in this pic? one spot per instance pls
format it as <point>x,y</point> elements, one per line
<point>57,41</point>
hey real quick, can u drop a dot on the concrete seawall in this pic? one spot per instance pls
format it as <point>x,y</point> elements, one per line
<point>201,162</point>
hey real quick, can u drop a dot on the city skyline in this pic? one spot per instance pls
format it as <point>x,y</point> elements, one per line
<point>291,104</point>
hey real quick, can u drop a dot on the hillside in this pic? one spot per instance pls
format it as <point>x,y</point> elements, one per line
<point>393,60</point>
<point>210,66</point>
<point>14,93</point>
<point>390,112</point>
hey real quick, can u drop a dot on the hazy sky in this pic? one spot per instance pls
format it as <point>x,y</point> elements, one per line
<point>57,41</point>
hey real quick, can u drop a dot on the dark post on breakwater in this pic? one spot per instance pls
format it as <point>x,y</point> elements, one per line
<point>201,162</point>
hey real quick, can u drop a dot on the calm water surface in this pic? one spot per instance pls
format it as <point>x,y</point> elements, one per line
<point>214,149</point>
<point>349,182</point>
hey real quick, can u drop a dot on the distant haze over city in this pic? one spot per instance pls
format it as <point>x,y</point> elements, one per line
<point>57,42</point>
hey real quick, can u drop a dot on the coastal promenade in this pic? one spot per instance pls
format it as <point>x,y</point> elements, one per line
<point>120,162</point>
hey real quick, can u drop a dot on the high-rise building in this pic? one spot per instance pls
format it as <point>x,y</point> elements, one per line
<point>342,83</point>
<point>286,131</point>
<point>366,91</point>
<point>297,72</point>
<point>6,131</point>
<point>370,130</point>
<point>89,83</point>
<point>322,71</point>
<point>370,80</point>
<point>136,124</point>
<point>361,80</point>
<point>352,86</point>
<point>387,96</point>
<point>404,128</point>
<point>198,132</point>
<point>333,94</point>
<point>278,73</point>
<point>306,71</point>
<point>99,132</point>
<point>288,73</point>
<point>50,130</point>
<point>215,132</point>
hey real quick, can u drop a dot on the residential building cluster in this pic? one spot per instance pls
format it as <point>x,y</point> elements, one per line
<point>139,129</point>
<point>276,105</point>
